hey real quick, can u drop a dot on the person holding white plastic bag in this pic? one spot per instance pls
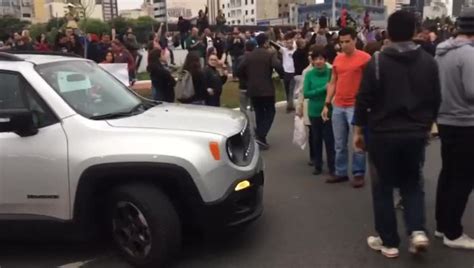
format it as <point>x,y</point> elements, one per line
<point>302,107</point>
<point>315,90</point>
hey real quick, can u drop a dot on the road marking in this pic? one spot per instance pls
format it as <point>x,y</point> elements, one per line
<point>76,264</point>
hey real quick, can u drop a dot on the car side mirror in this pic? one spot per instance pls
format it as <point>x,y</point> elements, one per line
<point>19,121</point>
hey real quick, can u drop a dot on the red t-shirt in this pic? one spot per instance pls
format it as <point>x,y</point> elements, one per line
<point>349,70</point>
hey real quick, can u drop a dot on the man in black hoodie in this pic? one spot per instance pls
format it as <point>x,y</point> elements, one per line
<point>398,101</point>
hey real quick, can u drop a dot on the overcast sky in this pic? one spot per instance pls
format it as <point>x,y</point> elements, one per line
<point>194,5</point>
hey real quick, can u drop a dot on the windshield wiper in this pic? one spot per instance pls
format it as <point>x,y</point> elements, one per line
<point>137,109</point>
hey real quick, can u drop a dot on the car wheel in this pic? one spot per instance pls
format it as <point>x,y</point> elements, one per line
<point>144,225</point>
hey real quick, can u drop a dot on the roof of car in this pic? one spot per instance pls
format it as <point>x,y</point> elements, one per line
<point>42,59</point>
<point>38,58</point>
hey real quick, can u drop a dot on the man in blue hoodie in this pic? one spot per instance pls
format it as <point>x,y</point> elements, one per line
<point>456,128</point>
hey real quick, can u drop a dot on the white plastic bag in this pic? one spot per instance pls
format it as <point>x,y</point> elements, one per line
<point>300,137</point>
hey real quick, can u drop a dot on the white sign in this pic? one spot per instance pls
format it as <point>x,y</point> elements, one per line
<point>119,70</point>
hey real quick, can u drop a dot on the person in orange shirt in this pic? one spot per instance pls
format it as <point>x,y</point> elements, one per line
<point>341,97</point>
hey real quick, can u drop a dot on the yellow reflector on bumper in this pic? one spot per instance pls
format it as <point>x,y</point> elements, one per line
<point>242,185</point>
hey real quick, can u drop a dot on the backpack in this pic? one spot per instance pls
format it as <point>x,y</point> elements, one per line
<point>184,88</point>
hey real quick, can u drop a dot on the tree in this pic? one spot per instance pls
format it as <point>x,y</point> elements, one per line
<point>38,29</point>
<point>56,23</point>
<point>144,26</point>
<point>356,6</point>
<point>95,26</point>
<point>9,25</point>
<point>121,24</point>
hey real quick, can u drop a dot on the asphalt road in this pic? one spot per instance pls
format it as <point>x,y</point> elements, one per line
<point>306,223</point>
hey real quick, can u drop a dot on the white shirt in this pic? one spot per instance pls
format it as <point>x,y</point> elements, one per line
<point>210,43</point>
<point>288,64</point>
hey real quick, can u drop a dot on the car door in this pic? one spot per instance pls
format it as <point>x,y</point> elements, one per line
<point>33,169</point>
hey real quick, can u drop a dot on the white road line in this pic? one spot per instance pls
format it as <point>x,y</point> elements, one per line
<point>76,264</point>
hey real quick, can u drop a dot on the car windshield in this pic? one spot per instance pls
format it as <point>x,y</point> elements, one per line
<point>89,90</point>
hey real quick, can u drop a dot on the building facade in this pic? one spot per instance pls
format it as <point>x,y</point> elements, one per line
<point>109,9</point>
<point>376,9</point>
<point>248,12</point>
<point>21,9</point>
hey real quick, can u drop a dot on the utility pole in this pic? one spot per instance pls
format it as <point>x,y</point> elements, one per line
<point>333,18</point>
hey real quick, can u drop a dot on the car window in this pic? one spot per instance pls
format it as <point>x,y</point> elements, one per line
<point>16,93</point>
<point>10,94</point>
<point>87,88</point>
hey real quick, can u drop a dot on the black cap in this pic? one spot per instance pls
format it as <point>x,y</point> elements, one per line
<point>465,21</point>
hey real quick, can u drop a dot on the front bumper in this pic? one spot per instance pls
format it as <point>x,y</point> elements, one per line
<point>235,208</point>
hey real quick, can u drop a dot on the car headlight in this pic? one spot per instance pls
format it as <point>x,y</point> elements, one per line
<point>241,147</point>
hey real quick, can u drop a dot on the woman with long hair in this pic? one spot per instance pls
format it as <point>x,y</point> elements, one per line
<point>162,81</point>
<point>192,65</point>
<point>214,81</point>
<point>109,58</point>
<point>42,43</point>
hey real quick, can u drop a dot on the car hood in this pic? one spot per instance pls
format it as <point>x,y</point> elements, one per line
<point>220,121</point>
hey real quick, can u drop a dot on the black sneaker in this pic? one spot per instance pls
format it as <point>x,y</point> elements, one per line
<point>317,172</point>
<point>310,163</point>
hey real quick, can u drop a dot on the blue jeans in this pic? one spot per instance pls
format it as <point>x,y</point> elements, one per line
<point>341,122</point>
<point>235,65</point>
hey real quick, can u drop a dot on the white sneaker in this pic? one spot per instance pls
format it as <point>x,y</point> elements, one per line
<point>419,242</point>
<point>376,243</point>
<point>463,242</point>
<point>438,234</point>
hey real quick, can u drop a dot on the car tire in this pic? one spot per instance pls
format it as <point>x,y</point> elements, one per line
<point>144,225</point>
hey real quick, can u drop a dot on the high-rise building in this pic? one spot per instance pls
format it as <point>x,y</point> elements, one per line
<point>248,12</point>
<point>21,9</point>
<point>159,7</point>
<point>109,9</point>
<point>214,7</point>
<point>40,15</point>
<point>459,5</point>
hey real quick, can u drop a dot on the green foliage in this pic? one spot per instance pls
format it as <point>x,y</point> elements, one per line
<point>38,29</point>
<point>121,24</point>
<point>94,26</point>
<point>356,6</point>
<point>9,25</point>
<point>56,23</point>
<point>143,28</point>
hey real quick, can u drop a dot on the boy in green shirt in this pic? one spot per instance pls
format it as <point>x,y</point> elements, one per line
<point>315,85</point>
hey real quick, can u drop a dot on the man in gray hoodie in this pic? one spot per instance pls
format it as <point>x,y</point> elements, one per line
<point>456,128</point>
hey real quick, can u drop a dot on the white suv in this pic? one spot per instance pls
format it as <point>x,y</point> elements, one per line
<point>78,146</point>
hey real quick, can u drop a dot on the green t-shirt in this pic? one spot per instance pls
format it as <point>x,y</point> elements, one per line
<point>315,89</point>
<point>199,48</point>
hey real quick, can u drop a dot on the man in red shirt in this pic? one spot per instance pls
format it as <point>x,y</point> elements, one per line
<point>341,96</point>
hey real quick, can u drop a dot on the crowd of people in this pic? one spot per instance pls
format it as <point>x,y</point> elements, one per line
<point>389,86</point>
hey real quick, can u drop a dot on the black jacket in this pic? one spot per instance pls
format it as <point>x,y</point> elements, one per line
<point>242,76</point>
<point>257,67</point>
<point>162,82</point>
<point>215,81</point>
<point>300,57</point>
<point>184,26</point>
<point>236,49</point>
<point>94,52</point>
<point>406,98</point>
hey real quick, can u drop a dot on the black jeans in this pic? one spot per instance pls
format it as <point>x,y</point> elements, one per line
<point>264,108</point>
<point>456,180</point>
<point>322,131</point>
<point>311,147</point>
<point>396,162</point>
<point>183,37</point>
<point>289,84</point>
<point>214,100</point>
